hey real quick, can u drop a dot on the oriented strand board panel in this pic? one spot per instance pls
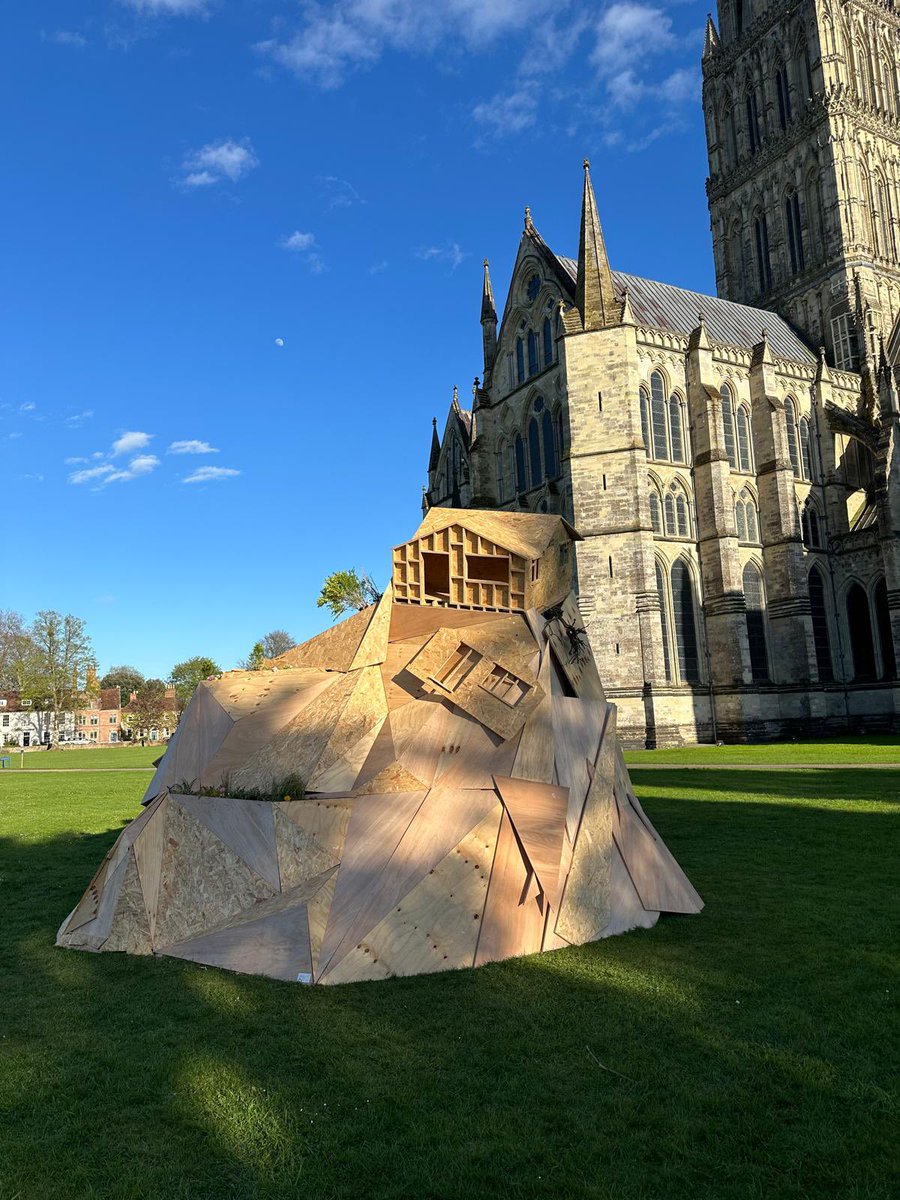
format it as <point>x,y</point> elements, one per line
<point>374,645</point>
<point>411,621</point>
<point>333,650</point>
<point>400,687</point>
<point>535,753</point>
<point>445,817</point>
<point>245,826</point>
<point>377,823</point>
<point>364,710</point>
<point>130,929</point>
<point>625,904</point>
<point>148,853</point>
<point>92,934</point>
<point>435,926</point>
<point>577,727</point>
<point>300,856</point>
<point>538,813</point>
<point>660,882</point>
<point>203,882</point>
<point>584,910</point>
<point>344,773</point>
<point>514,916</point>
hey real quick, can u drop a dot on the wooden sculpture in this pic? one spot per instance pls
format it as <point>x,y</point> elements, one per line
<point>464,795</point>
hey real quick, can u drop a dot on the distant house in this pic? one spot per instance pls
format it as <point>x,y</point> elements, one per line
<point>156,733</point>
<point>25,723</point>
<point>99,719</point>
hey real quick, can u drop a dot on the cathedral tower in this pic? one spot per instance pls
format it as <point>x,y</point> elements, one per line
<point>802,107</point>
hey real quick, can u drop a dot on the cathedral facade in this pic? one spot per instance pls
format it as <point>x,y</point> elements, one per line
<point>732,463</point>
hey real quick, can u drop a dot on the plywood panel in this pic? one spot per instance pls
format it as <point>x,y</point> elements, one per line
<point>377,823</point>
<point>577,727</point>
<point>435,926</point>
<point>364,710</point>
<point>513,917</point>
<point>410,621</point>
<point>534,757</point>
<point>203,882</point>
<point>317,909</point>
<point>584,910</point>
<point>245,826</point>
<point>148,853</point>
<point>659,880</point>
<point>626,910</point>
<point>342,776</point>
<point>445,817</point>
<point>300,856</point>
<point>130,928</point>
<point>400,687</point>
<point>538,813</point>
<point>332,650</point>
<point>92,934</point>
<point>373,647</point>
<point>472,755</point>
<point>424,748</point>
<point>581,671</point>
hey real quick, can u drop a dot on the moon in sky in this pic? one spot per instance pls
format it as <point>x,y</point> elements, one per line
<point>279,342</point>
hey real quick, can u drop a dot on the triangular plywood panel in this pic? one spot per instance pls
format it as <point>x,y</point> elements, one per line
<point>660,882</point>
<point>245,826</point>
<point>366,707</point>
<point>148,852</point>
<point>537,747</point>
<point>130,926</point>
<point>578,726</point>
<point>300,855</point>
<point>538,813</point>
<point>333,650</point>
<point>374,645</point>
<point>514,916</point>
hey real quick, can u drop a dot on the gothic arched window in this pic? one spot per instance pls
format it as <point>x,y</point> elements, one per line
<point>645,418</point>
<point>664,621</point>
<point>744,440</point>
<point>533,364</point>
<point>740,520</point>
<point>521,479</point>
<point>551,467</point>
<point>658,415</point>
<point>756,622</point>
<point>669,506</point>
<point>805,449</point>
<point>682,515</point>
<point>655,512</point>
<point>728,423</point>
<point>754,135</point>
<point>821,637</point>
<point>794,230</point>
<point>784,95</point>
<point>501,473</point>
<point>676,429</point>
<point>885,635</point>
<point>763,257</point>
<point>548,342</point>
<point>534,453</point>
<point>520,360</point>
<point>790,420</point>
<point>859,622</point>
<point>685,622</point>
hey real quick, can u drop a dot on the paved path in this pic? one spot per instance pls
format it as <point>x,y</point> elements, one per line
<point>851,766</point>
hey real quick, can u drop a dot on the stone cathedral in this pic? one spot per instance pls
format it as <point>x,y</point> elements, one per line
<point>731,462</point>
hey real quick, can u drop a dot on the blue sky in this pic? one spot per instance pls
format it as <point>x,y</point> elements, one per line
<point>188,182</point>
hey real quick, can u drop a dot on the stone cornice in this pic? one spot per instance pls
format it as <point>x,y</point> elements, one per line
<point>772,150</point>
<point>723,61</point>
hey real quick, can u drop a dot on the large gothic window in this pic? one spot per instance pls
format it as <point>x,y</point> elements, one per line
<point>676,428</point>
<point>859,622</point>
<point>645,419</point>
<point>784,95</point>
<point>521,479</point>
<point>790,420</point>
<point>664,621</point>
<point>794,230</point>
<point>805,448</point>
<point>548,342</point>
<point>534,453</point>
<point>746,518</point>
<point>551,465</point>
<point>658,415</point>
<point>821,637</point>
<point>763,257</point>
<point>533,363</point>
<point>520,360</point>
<point>756,622</point>
<point>753,126</point>
<point>728,424</point>
<point>685,622</point>
<point>744,440</point>
<point>885,636</point>
<point>655,512</point>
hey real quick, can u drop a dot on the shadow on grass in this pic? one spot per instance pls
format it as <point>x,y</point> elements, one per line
<point>750,1045</point>
<point>850,784</point>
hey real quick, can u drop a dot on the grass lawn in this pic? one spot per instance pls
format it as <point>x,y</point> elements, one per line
<point>756,1045</point>
<point>113,759</point>
<point>868,749</point>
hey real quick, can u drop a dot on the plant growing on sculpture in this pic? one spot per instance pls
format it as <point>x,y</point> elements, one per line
<point>344,590</point>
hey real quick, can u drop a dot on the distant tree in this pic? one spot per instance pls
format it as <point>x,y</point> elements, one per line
<point>58,663</point>
<point>279,641</point>
<point>347,589</point>
<point>148,709</point>
<point>126,679</point>
<point>186,675</point>
<point>254,660</point>
<point>15,649</point>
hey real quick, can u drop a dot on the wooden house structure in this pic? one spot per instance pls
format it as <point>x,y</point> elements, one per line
<point>433,783</point>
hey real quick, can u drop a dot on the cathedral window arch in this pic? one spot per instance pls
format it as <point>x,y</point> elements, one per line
<point>744,439</point>
<point>884,218</point>
<point>677,512</point>
<point>658,416</point>
<point>533,361</point>
<point>548,438</point>
<point>810,526</point>
<point>821,635</point>
<point>735,257</point>
<point>746,517</point>
<point>730,135</point>
<point>663,422</point>
<point>794,229</point>
<point>656,521</point>
<point>755,615</point>
<point>684,622</point>
<point>883,628</point>
<point>534,453</point>
<point>790,421</point>
<point>676,428</point>
<point>502,459</point>
<point>548,342</point>
<point>520,360</point>
<point>645,419</point>
<point>662,592</point>
<point>728,424</point>
<point>806,449</point>
<point>763,255</point>
<point>669,510</point>
<point>815,217</point>
<point>859,624</point>
<point>783,94</point>
<point>754,129</point>
<point>521,477</point>
<point>805,69</point>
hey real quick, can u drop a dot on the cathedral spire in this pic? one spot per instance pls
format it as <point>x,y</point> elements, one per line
<point>435,447</point>
<point>594,295</point>
<point>488,324</point>
<point>711,43</point>
<point>488,307</point>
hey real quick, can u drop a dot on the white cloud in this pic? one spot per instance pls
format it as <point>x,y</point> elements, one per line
<point>304,244</point>
<point>74,420</point>
<point>142,465</point>
<point>73,462</point>
<point>91,474</point>
<point>217,161</point>
<point>210,475</point>
<point>192,447</point>
<point>377,267</point>
<point>168,8</point>
<point>339,192</point>
<point>129,442</point>
<point>29,407</point>
<point>66,37</point>
<point>450,254</point>
<point>341,37</point>
<point>510,113</point>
